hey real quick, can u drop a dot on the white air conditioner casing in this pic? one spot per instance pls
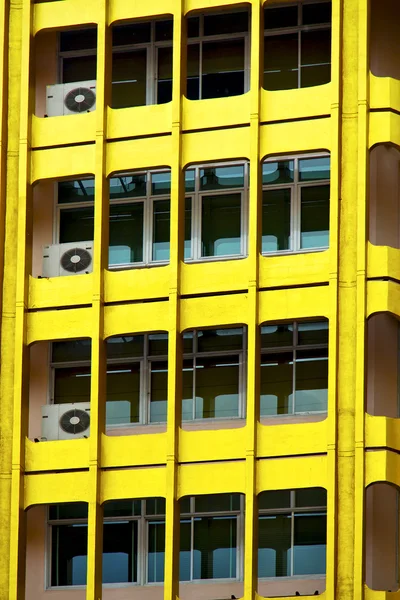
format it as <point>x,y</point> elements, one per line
<point>70,98</point>
<point>75,258</point>
<point>65,421</point>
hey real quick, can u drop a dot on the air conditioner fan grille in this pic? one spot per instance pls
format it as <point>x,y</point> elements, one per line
<point>80,99</point>
<point>75,421</point>
<point>76,260</point>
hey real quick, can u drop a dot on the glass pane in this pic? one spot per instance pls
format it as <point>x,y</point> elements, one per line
<point>274,550</point>
<point>311,497</point>
<point>161,216</point>
<point>122,508</point>
<point>123,394</point>
<point>71,350</point>
<point>138,33</point>
<point>313,14</point>
<point>313,332</point>
<point>120,552</point>
<point>214,548</point>
<point>68,554</point>
<point>235,22</point>
<point>281,62</point>
<point>311,169</point>
<point>193,26</point>
<point>311,381</point>
<point>79,190</point>
<point>220,178</point>
<point>315,57</point>
<point>129,70</point>
<point>217,387</point>
<point>277,336</point>
<point>72,385</point>
<point>164,75</point>
<point>126,233</point>
<point>274,173</point>
<point>188,228</point>
<point>185,551</point>
<point>161,183</point>
<point>274,499</point>
<point>158,396</point>
<point>276,220</point>
<point>187,391</point>
<point>276,384</point>
<point>184,505</point>
<point>78,39</point>
<point>155,560</point>
<point>158,344</point>
<point>76,224</point>
<point>78,68</point>
<point>223,69</point>
<point>309,552</point>
<point>125,346</point>
<point>187,342</point>
<point>221,225</point>
<point>217,503</point>
<point>189,180</point>
<point>164,30</point>
<point>69,510</point>
<point>193,72</point>
<point>214,340</point>
<point>275,18</point>
<point>155,506</point>
<point>128,186</point>
<point>315,217</point>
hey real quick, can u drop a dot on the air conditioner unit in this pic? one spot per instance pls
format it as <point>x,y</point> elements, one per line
<point>74,258</point>
<point>70,98</point>
<point>65,421</point>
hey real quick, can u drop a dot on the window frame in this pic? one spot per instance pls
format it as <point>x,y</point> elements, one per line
<point>295,187</point>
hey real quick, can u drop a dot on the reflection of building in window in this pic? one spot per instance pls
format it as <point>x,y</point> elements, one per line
<point>213,373</point>
<point>137,369</point>
<point>292,533</point>
<point>215,215</point>
<point>218,55</point>
<point>295,206</point>
<point>294,368</point>
<point>297,45</point>
<point>139,230</point>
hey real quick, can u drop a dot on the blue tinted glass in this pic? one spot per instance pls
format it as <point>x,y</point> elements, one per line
<point>315,216</point>
<point>216,178</point>
<point>185,551</point>
<point>155,564</point>
<point>161,183</point>
<point>274,541</point>
<point>126,233</point>
<point>69,555</point>
<point>188,228</point>
<point>309,544</point>
<point>214,548</point>
<point>311,169</point>
<point>120,552</point>
<point>221,225</point>
<point>274,173</point>
<point>79,190</point>
<point>161,216</point>
<point>131,186</point>
<point>189,180</point>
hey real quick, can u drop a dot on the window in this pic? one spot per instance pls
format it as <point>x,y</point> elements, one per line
<point>215,222</point>
<point>137,370</point>
<point>132,530</point>
<point>213,373</point>
<point>295,204</point>
<point>294,368</point>
<point>139,230</point>
<point>297,45</point>
<point>292,533</point>
<point>218,55</point>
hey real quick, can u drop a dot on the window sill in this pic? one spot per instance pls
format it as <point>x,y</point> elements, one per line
<point>294,252</point>
<point>291,578</point>
<point>211,259</point>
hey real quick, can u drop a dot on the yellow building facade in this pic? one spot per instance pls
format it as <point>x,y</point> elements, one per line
<point>352,448</point>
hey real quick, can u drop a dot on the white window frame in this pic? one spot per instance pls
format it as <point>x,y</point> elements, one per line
<point>196,210</point>
<point>292,511</point>
<point>295,200</point>
<point>242,356</point>
<point>298,29</point>
<point>293,350</point>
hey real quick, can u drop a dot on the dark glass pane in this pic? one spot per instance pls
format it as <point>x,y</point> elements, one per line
<point>122,508</point>
<point>312,169</point>
<point>164,30</point>
<point>312,332</point>
<point>281,62</point>
<point>276,18</point>
<point>223,69</point>
<point>68,554</point>
<point>184,505</point>
<point>309,550</point>
<point>78,190</point>
<point>187,342</point>
<point>274,543</point>
<point>216,340</point>
<point>156,552</point>
<point>221,225</point>
<point>72,385</point>
<point>315,217</point>
<point>315,57</point>
<point>120,552</point>
<point>235,22</point>
<point>123,394</point>
<point>71,350</point>
<point>311,381</point>
<point>78,68</point>
<point>276,209</point>
<point>274,499</point>
<point>161,230</point>
<point>193,25</point>
<point>277,335</point>
<point>189,180</point>
<point>214,548</point>
<point>76,224</point>
<point>164,75</point>
<point>128,186</point>
<point>276,385</point>
<point>129,78</point>
<point>217,503</point>
<point>278,172</point>
<point>125,346</point>
<point>313,14</point>
<point>158,344</point>
<point>126,233</point>
<point>69,510</point>
<point>193,72</point>
<point>187,390</point>
<point>78,39</point>
<point>311,497</point>
<point>185,551</point>
<point>158,395</point>
<point>155,506</point>
<point>161,183</point>
<point>221,178</point>
<point>123,35</point>
<point>217,387</point>
<point>188,228</point>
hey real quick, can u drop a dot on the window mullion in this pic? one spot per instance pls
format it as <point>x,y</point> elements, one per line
<point>292,544</point>
<point>191,547</point>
